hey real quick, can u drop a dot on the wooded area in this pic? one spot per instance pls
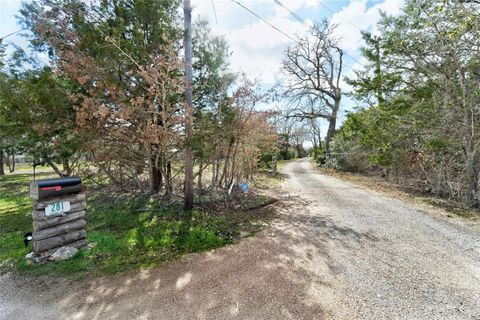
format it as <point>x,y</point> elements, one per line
<point>140,141</point>
<point>418,117</point>
<point>111,103</point>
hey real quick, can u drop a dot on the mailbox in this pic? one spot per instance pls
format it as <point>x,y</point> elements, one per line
<point>49,188</point>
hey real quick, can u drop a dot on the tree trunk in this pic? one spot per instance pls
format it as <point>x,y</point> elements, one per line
<point>200,176</point>
<point>214,166</point>
<point>168,179</point>
<point>332,122</point>
<point>7,160</point>
<point>233,167</point>
<point>472,180</point>
<point>2,171</point>
<point>66,167</point>
<point>156,179</point>
<point>224,172</point>
<point>155,175</point>
<point>54,167</point>
<point>299,150</point>
<point>224,176</point>
<point>331,131</point>
<point>471,158</point>
<point>13,162</point>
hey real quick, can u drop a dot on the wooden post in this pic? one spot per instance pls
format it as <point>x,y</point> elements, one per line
<point>188,187</point>
<point>50,232</point>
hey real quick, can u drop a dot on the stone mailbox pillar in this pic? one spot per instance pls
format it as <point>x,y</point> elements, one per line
<point>58,216</point>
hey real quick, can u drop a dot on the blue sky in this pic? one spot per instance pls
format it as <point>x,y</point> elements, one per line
<point>8,23</point>
<point>257,49</point>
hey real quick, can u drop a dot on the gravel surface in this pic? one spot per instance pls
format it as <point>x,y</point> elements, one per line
<point>336,251</point>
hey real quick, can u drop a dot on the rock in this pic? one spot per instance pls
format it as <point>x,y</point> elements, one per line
<point>63,253</point>
<point>29,256</point>
<point>37,259</point>
<point>91,245</point>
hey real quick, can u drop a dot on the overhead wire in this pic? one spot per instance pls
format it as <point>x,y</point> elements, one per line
<point>293,14</point>
<point>297,17</point>
<point>333,12</point>
<point>12,33</point>
<point>265,21</point>
<point>302,20</point>
<point>214,12</point>
<point>345,20</point>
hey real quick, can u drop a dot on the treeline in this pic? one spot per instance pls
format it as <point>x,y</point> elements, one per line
<point>419,102</point>
<point>109,102</point>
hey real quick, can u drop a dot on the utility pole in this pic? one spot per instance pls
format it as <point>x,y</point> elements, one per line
<point>188,186</point>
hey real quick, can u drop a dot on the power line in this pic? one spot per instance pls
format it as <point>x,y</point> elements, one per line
<point>351,57</point>
<point>333,12</point>
<point>285,34</point>
<point>302,20</point>
<point>11,34</point>
<point>296,16</point>
<point>214,12</point>
<point>259,17</point>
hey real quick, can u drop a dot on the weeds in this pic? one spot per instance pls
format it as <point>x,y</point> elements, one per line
<point>128,231</point>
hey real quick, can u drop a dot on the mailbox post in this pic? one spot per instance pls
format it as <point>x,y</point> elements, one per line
<point>58,216</point>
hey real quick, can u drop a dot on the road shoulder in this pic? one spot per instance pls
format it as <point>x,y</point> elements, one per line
<point>440,208</point>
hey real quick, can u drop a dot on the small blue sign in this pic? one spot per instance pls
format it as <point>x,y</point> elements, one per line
<point>244,186</point>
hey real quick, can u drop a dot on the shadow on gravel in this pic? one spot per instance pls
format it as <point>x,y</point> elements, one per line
<point>284,272</point>
<point>295,213</point>
<point>275,275</point>
<point>253,280</point>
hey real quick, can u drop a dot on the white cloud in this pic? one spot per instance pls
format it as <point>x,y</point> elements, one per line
<point>258,49</point>
<point>355,17</point>
<point>294,5</point>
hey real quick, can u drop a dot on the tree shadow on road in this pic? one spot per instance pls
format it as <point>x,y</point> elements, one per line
<point>283,273</point>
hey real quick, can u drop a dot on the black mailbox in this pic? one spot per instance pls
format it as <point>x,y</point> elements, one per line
<point>48,188</point>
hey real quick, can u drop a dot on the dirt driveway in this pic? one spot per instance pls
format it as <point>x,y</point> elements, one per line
<point>336,251</point>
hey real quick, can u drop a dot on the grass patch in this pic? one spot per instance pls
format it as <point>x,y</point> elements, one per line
<point>129,231</point>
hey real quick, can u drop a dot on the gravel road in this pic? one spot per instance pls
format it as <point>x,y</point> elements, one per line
<point>336,251</point>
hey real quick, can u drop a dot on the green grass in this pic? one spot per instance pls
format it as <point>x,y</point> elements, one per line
<point>129,231</point>
<point>15,217</point>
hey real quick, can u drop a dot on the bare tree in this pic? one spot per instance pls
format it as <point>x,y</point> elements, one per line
<point>285,126</point>
<point>314,132</point>
<point>313,68</point>
<point>299,137</point>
